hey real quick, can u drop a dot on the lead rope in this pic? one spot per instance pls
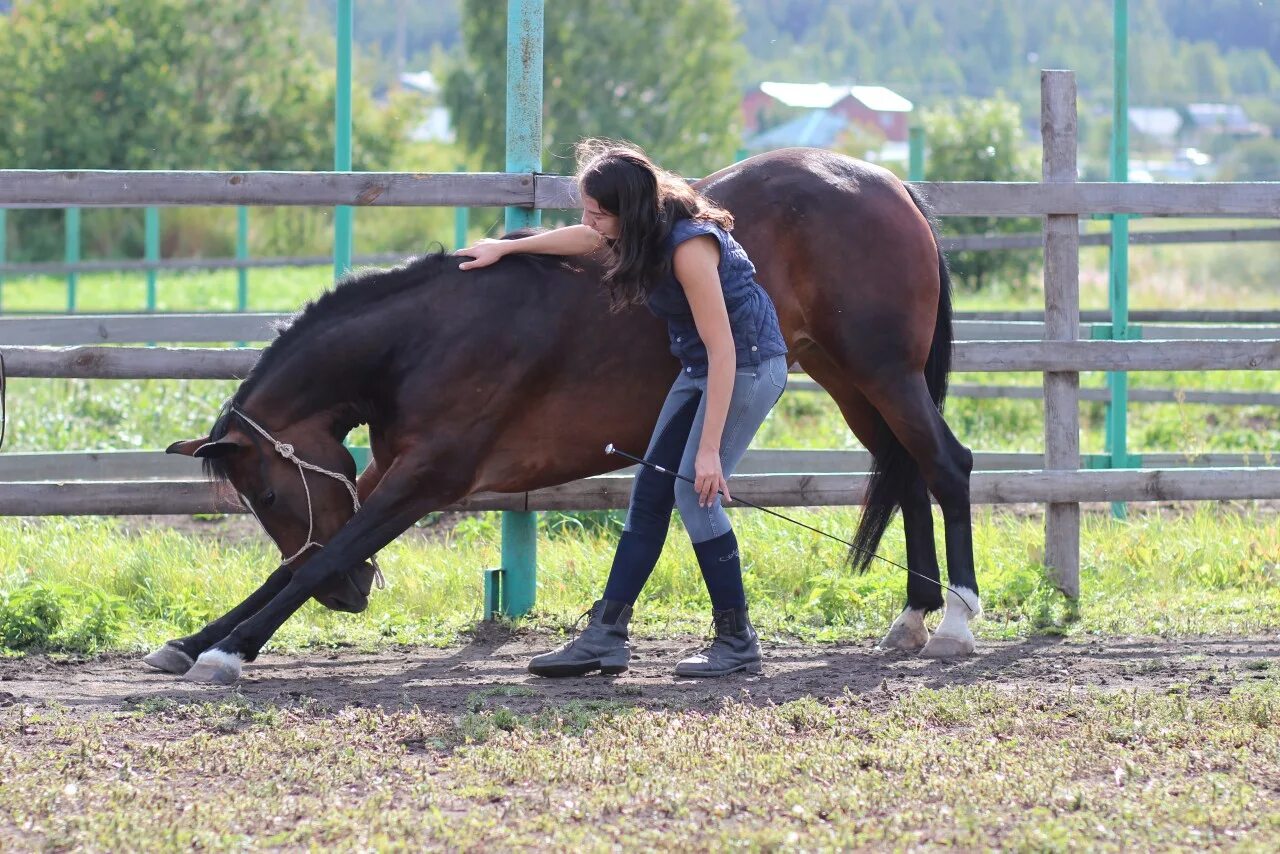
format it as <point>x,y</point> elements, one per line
<point>285,450</point>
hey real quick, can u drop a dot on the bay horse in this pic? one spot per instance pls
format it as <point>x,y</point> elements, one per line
<point>514,377</point>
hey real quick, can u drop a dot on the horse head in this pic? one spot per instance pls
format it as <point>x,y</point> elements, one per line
<point>298,481</point>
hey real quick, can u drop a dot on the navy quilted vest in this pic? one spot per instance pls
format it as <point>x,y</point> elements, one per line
<point>752,317</point>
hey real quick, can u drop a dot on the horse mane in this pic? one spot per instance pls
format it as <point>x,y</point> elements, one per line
<point>356,293</point>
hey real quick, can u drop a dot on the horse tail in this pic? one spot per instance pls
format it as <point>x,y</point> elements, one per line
<point>892,469</point>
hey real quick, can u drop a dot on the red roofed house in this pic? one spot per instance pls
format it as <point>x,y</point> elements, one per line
<point>870,106</point>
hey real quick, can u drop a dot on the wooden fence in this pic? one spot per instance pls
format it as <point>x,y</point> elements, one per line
<point>1059,354</point>
<point>974,242</point>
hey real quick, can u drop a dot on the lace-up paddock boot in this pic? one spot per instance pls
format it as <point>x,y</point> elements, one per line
<point>736,648</point>
<point>603,645</point>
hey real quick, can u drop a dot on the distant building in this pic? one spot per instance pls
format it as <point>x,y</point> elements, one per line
<point>435,125</point>
<point>1209,120</point>
<point>776,115</point>
<point>1160,125</point>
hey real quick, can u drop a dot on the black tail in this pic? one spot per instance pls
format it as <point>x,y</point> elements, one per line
<point>893,469</point>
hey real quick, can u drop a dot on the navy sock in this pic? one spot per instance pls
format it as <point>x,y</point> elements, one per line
<point>721,567</point>
<point>633,563</point>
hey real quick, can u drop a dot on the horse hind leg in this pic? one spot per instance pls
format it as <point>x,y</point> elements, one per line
<point>945,465</point>
<point>908,632</point>
<point>924,590</point>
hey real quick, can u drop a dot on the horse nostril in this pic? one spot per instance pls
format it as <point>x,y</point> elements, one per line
<point>268,498</point>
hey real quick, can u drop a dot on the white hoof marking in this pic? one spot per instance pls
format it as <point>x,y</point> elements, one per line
<point>953,637</point>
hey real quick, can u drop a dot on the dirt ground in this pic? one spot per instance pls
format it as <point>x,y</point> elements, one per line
<point>444,680</point>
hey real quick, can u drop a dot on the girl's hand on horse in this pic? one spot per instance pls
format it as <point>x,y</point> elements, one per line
<point>484,252</point>
<point>709,477</point>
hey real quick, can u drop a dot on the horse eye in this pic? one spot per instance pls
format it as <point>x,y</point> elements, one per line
<point>268,498</point>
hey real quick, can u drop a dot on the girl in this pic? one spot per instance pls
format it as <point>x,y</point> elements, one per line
<point>670,249</point>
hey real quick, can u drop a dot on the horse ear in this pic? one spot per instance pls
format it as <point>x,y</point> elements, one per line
<point>187,448</point>
<point>220,448</point>
<point>204,449</point>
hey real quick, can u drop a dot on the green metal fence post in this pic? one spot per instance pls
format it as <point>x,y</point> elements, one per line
<point>915,153</point>
<point>1118,291</point>
<point>151,252</point>
<point>242,255</point>
<point>4,249</point>
<point>524,154</point>
<point>71,254</point>
<point>342,215</point>
<point>461,220</point>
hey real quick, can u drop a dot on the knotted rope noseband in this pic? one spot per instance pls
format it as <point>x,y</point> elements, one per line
<point>285,450</point>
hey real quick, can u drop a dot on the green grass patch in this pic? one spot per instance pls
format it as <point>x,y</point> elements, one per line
<point>86,584</point>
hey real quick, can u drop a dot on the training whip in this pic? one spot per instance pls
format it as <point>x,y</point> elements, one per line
<point>610,449</point>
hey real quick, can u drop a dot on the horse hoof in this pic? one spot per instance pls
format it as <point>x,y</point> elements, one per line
<point>907,634</point>
<point>947,647</point>
<point>170,659</point>
<point>215,667</point>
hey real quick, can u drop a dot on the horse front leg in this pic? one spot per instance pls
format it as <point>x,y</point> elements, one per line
<point>398,501</point>
<point>178,656</point>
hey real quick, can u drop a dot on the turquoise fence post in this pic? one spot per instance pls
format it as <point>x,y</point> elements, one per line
<point>915,153</point>
<point>71,255</point>
<point>242,255</point>
<point>151,252</point>
<point>342,215</point>
<point>4,250</point>
<point>1118,291</point>
<point>461,219</point>
<point>519,587</point>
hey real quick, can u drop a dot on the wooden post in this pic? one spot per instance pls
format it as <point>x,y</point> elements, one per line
<point>1061,323</point>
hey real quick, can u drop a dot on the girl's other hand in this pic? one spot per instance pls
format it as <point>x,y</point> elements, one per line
<point>483,252</point>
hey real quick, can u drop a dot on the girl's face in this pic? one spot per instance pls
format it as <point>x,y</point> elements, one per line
<point>600,220</point>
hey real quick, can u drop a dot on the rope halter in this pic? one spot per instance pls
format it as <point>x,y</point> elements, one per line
<point>285,450</point>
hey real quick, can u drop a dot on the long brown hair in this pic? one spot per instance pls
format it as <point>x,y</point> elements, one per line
<point>647,200</point>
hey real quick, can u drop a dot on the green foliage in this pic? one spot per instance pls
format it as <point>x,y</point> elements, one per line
<point>671,90</point>
<point>1254,160</point>
<point>972,140</point>
<point>170,84</point>
<point>58,617</point>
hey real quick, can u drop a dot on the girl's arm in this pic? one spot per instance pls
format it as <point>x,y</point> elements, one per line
<point>696,265</point>
<point>570,240</point>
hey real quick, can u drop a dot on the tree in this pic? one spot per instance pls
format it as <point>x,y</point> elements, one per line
<point>1254,160</point>
<point>172,84</point>
<point>981,140</point>
<point>169,84</point>
<point>659,73</point>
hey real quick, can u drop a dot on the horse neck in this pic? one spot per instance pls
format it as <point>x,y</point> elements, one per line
<point>314,383</point>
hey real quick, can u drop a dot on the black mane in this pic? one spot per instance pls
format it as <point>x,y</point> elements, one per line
<point>355,293</point>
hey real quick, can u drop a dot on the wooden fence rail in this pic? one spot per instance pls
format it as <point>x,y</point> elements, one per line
<point>62,466</point>
<point>75,329</point>
<point>611,492</point>
<point>973,242</point>
<point>22,188</point>
<point>986,356</point>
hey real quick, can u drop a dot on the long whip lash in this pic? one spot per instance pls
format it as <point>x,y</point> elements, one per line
<point>610,449</point>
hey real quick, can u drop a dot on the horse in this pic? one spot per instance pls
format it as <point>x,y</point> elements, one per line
<point>514,377</point>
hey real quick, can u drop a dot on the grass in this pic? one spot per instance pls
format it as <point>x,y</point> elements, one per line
<point>81,585</point>
<point>964,767</point>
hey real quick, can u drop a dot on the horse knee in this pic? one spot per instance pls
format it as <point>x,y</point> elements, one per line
<point>950,483</point>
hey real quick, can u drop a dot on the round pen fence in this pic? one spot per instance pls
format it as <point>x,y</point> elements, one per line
<point>1055,343</point>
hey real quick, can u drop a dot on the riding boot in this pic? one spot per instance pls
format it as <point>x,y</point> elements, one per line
<point>603,645</point>
<point>736,647</point>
